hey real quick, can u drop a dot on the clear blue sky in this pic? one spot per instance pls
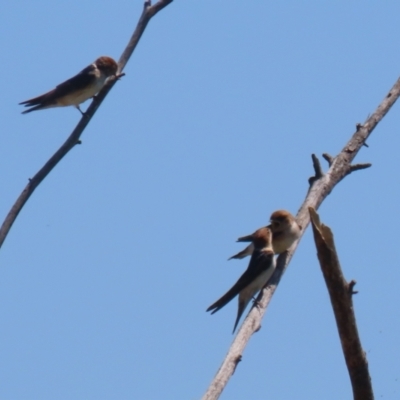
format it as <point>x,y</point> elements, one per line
<point>106,275</point>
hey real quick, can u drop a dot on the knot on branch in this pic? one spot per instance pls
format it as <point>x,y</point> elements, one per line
<point>236,361</point>
<point>256,302</point>
<point>358,128</point>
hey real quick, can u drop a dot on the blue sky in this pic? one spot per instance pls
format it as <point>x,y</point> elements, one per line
<point>106,274</point>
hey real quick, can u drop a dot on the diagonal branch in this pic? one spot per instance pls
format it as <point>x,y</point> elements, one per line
<point>319,190</point>
<point>148,12</point>
<point>341,294</point>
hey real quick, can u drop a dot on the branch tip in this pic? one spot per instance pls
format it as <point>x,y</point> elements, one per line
<point>356,167</point>
<point>317,168</point>
<point>328,158</point>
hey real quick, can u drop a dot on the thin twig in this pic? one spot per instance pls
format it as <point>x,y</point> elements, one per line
<point>341,294</point>
<point>357,167</point>
<point>315,196</point>
<point>317,170</point>
<point>328,158</point>
<point>148,12</point>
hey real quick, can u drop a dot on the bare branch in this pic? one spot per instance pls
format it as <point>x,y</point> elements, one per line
<point>148,12</point>
<point>315,196</point>
<point>341,294</point>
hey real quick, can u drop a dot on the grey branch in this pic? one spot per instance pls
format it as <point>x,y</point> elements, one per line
<point>341,294</point>
<point>320,189</point>
<point>148,12</point>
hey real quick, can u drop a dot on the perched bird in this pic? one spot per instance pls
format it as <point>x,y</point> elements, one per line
<point>260,269</point>
<point>285,231</point>
<point>76,90</point>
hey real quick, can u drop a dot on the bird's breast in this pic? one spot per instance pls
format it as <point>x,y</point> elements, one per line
<point>79,96</point>
<point>284,240</point>
<point>257,284</point>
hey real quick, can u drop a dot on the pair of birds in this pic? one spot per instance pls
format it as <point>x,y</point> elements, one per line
<point>273,239</point>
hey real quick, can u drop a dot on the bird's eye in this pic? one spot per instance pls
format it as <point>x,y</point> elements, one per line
<point>275,224</point>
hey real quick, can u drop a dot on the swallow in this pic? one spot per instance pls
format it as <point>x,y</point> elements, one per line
<point>260,269</point>
<point>78,89</point>
<point>285,231</point>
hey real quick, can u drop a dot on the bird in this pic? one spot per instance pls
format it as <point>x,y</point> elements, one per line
<point>285,231</point>
<point>257,274</point>
<point>77,89</point>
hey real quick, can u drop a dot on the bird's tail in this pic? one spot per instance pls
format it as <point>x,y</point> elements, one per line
<point>223,301</point>
<point>241,307</point>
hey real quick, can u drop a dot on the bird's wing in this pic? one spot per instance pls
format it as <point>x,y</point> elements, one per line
<point>260,262</point>
<point>77,83</point>
<point>244,253</point>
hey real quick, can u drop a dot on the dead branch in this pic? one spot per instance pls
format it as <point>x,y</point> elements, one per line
<point>341,294</point>
<point>320,187</point>
<point>148,12</point>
